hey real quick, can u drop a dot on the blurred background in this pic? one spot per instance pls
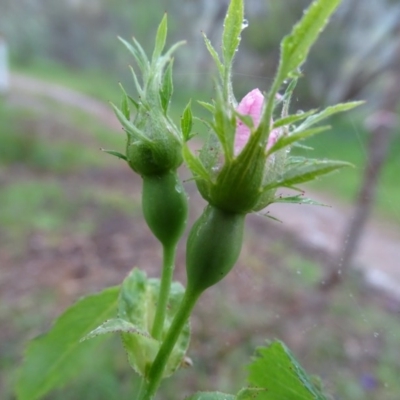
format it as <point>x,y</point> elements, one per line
<point>325,280</point>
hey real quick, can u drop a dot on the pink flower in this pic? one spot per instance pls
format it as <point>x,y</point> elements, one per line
<point>252,105</point>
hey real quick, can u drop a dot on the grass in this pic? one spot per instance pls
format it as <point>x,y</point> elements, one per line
<point>39,149</point>
<point>91,82</point>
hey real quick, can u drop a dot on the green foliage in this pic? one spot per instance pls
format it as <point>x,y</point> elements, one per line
<point>245,182</point>
<point>233,26</point>
<point>55,357</point>
<point>277,371</point>
<point>295,47</point>
<point>137,307</point>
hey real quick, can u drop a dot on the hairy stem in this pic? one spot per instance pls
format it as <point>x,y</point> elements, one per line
<point>158,366</point>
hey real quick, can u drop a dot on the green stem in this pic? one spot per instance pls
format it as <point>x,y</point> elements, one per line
<point>166,279</point>
<point>140,391</point>
<point>158,366</point>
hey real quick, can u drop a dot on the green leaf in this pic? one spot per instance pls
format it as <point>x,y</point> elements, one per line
<point>116,154</point>
<point>211,396</point>
<point>285,141</point>
<point>214,55</point>
<point>194,164</point>
<point>167,88</point>
<point>137,307</point>
<point>160,38</point>
<point>310,170</point>
<point>295,46</point>
<point>55,357</point>
<point>187,122</point>
<point>112,326</point>
<point>232,29</point>
<point>276,370</point>
<point>250,394</point>
<point>327,113</point>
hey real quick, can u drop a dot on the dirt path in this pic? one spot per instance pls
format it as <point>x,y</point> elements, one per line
<point>320,227</point>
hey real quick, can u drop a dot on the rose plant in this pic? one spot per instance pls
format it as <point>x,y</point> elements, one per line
<point>242,163</point>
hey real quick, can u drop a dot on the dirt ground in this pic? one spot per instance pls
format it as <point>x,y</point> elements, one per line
<point>319,227</point>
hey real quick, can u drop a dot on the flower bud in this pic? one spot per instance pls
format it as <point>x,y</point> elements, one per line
<point>164,204</point>
<point>252,105</point>
<point>213,247</point>
<point>154,158</point>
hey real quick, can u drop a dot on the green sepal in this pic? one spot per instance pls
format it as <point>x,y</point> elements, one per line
<point>137,306</point>
<point>195,164</point>
<point>137,84</point>
<point>224,125</point>
<point>238,184</point>
<point>115,153</point>
<point>161,37</point>
<point>308,171</point>
<point>211,396</point>
<point>246,119</point>
<point>57,356</point>
<point>187,122</point>
<point>210,155</point>
<point>208,106</point>
<point>297,199</point>
<point>291,119</point>
<point>285,141</point>
<point>125,104</point>
<point>131,130</point>
<point>313,119</point>
<point>288,96</point>
<point>134,102</point>
<point>167,88</point>
<point>138,54</point>
<point>276,370</point>
<point>214,55</point>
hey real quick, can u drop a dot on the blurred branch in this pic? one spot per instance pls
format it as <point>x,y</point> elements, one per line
<point>381,126</point>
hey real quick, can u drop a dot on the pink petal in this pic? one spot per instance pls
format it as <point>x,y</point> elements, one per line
<point>252,105</point>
